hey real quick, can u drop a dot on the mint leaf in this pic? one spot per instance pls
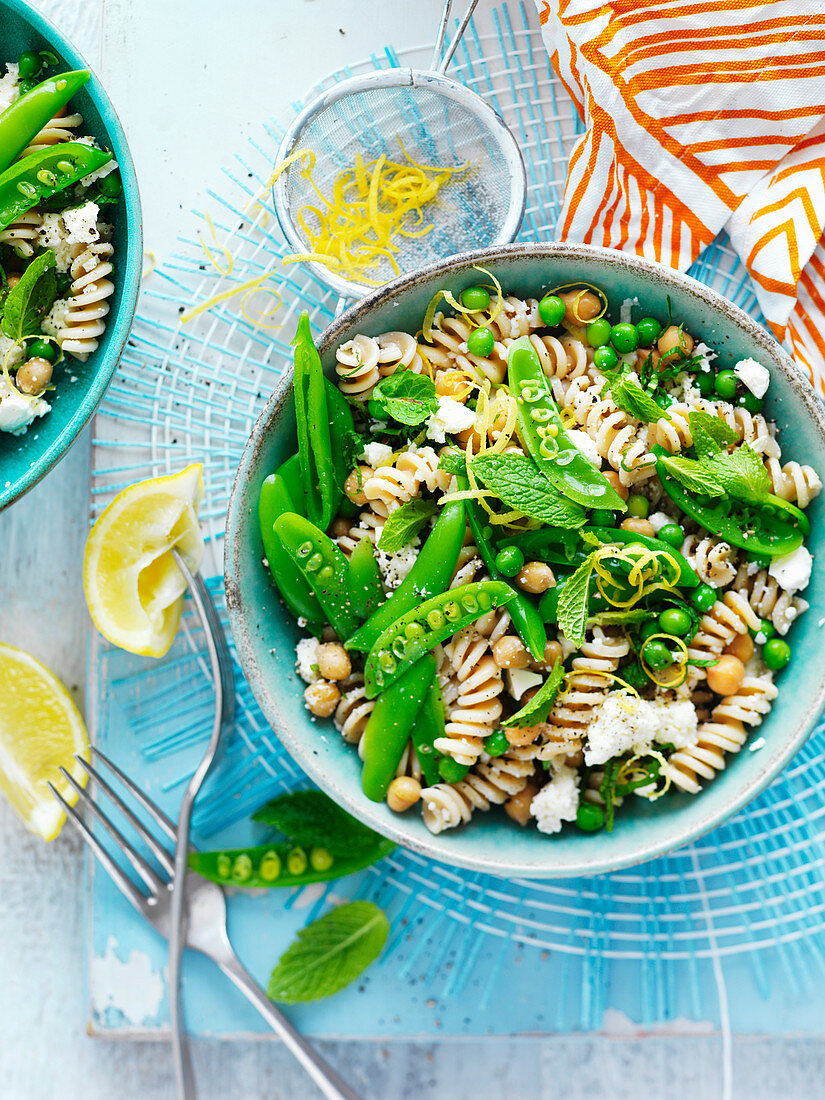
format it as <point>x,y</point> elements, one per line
<point>404,524</point>
<point>520,484</point>
<point>630,397</point>
<point>572,609</point>
<point>407,397</point>
<point>741,474</point>
<point>329,953</point>
<point>695,476</point>
<point>705,425</point>
<point>311,818</point>
<point>453,461</point>
<point>539,707</point>
<point>29,301</point>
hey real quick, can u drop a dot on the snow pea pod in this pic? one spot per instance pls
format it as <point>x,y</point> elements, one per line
<point>365,587</point>
<point>27,116</point>
<point>429,726</point>
<point>43,174</point>
<point>341,427</point>
<point>760,529</point>
<point>545,435</point>
<point>312,420</point>
<point>390,726</point>
<point>430,575</point>
<point>273,501</point>
<point>283,864</point>
<point>322,566</point>
<point>523,612</point>
<point>416,633</point>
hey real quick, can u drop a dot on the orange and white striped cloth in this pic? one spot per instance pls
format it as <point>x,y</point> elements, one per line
<point>699,117</point>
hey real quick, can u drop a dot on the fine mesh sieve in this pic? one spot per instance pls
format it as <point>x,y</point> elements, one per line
<point>431,119</point>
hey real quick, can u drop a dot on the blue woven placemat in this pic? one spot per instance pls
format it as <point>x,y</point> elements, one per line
<point>725,935</point>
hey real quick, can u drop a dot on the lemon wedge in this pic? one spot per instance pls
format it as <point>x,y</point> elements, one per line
<point>40,730</point>
<point>133,587</point>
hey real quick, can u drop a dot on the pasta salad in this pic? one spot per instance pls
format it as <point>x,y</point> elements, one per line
<point>55,243</point>
<point>546,559</point>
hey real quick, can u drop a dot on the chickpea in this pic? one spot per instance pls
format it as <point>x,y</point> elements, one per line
<point>322,698</point>
<point>333,661</point>
<point>452,383</point>
<point>726,676</point>
<point>535,577</point>
<point>403,792</point>
<point>522,735</point>
<point>612,477</point>
<point>509,652</point>
<point>518,807</point>
<point>643,354</point>
<point>340,527</point>
<point>581,306</point>
<point>13,280</point>
<point>638,526</point>
<point>674,343</point>
<point>741,647</point>
<point>552,653</point>
<point>354,485</point>
<point>33,376</point>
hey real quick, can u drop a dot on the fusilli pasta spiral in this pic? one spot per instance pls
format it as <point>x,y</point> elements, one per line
<point>794,482</point>
<point>88,303</point>
<point>710,558</point>
<point>477,707</point>
<point>62,127</point>
<point>767,599</point>
<point>22,232</point>
<point>447,805</point>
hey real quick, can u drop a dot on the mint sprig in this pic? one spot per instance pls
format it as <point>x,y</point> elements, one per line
<point>404,524</point>
<point>693,475</point>
<point>407,397</point>
<point>329,953</point>
<point>519,483</point>
<point>632,399</point>
<point>572,608</point>
<point>30,300</point>
<point>311,818</point>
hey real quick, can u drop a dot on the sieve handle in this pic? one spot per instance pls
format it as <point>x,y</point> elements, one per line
<point>442,30</point>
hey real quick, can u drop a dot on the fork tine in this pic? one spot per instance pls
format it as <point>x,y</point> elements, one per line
<point>146,872</point>
<point>157,814</point>
<point>116,874</point>
<point>160,853</point>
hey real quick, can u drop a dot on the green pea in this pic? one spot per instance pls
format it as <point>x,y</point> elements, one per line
<point>590,817</point>
<point>764,631</point>
<point>648,330</point>
<point>598,332</point>
<point>320,859</point>
<point>638,506</point>
<point>435,619</point>
<point>551,310</point>
<point>602,517</point>
<point>315,562</point>
<point>605,358</point>
<point>480,342</point>
<point>496,743</point>
<point>29,64</point>
<point>750,401</point>
<point>656,654</point>
<point>450,770</point>
<point>241,868</point>
<point>776,653</point>
<point>509,561</point>
<point>648,630</point>
<point>452,611</point>
<point>703,598</point>
<point>705,382</point>
<point>413,631</point>
<point>270,867</point>
<point>624,338</point>
<point>475,298</point>
<point>672,534</point>
<point>296,861</point>
<point>224,865</point>
<point>725,384</point>
<point>387,661</point>
<point>110,185</point>
<point>42,349</point>
<point>674,621</point>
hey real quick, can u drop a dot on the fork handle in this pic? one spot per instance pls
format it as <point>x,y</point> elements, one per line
<point>321,1073</point>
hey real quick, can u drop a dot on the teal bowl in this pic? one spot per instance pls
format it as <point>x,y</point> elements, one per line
<point>265,634</point>
<point>26,458</point>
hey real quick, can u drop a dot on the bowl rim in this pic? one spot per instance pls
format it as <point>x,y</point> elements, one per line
<point>500,867</point>
<point>130,269</point>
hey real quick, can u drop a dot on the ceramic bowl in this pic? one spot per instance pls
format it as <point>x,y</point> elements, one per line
<point>265,634</point>
<point>26,458</point>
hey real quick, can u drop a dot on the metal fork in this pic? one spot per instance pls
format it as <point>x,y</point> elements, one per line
<point>205,902</point>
